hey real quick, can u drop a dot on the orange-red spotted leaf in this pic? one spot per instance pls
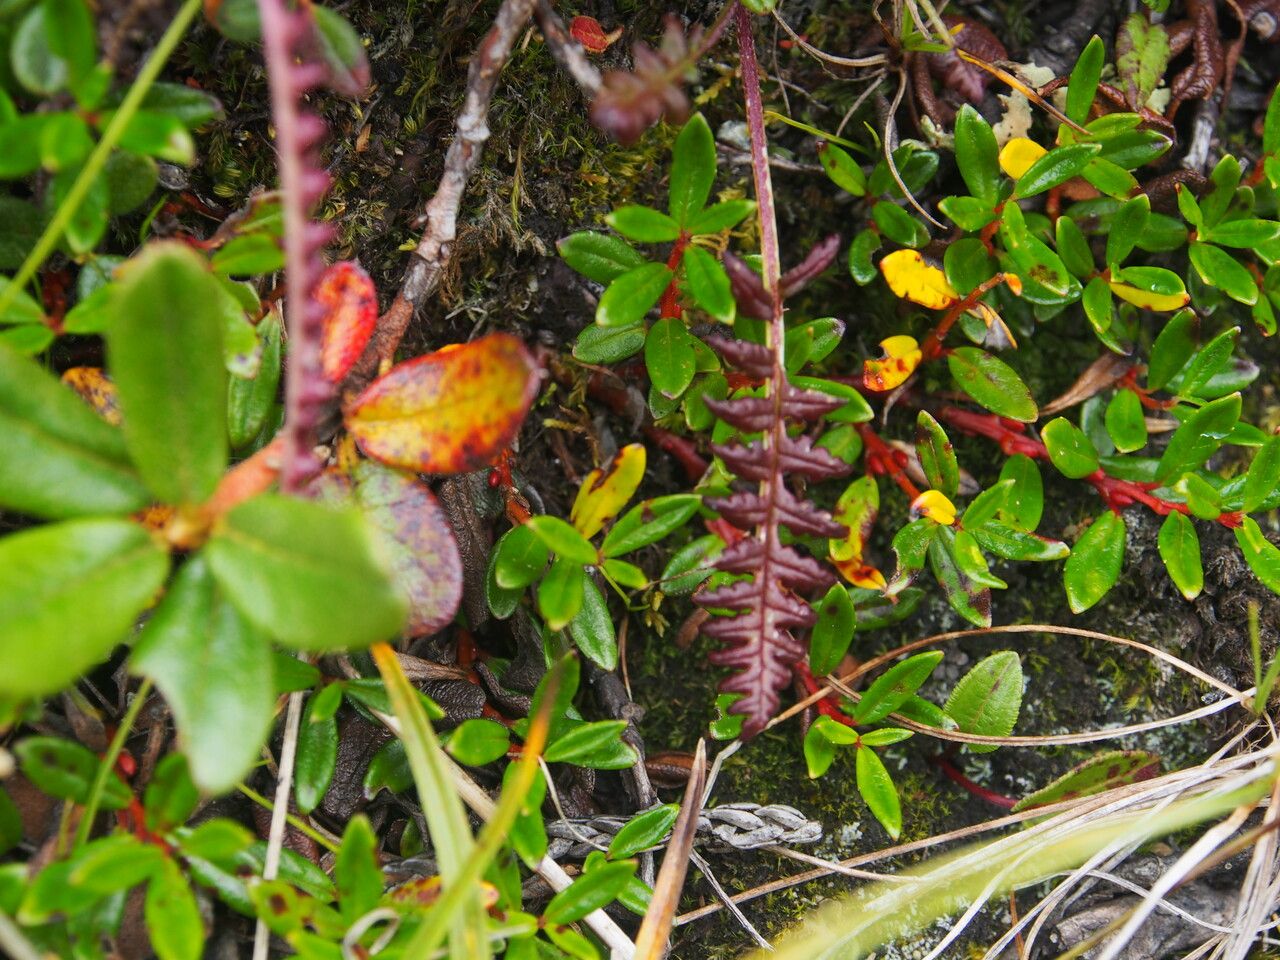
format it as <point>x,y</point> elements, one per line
<point>425,891</point>
<point>588,32</point>
<point>607,489</point>
<point>861,574</point>
<point>350,304</point>
<point>901,357</point>
<point>911,278</point>
<point>450,411</point>
<point>415,534</point>
<point>96,389</point>
<point>856,509</point>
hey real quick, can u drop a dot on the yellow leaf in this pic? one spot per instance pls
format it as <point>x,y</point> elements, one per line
<point>1018,155</point>
<point>912,279</point>
<point>1150,301</point>
<point>901,357</point>
<point>607,489</point>
<point>856,509</point>
<point>934,505</point>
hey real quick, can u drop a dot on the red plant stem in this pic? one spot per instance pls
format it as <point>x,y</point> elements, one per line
<point>670,302</point>
<point>1116,493</point>
<point>681,449</point>
<point>932,345</point>
<point>952,773</point>
<point>886,461</point>
<point>828,706</point>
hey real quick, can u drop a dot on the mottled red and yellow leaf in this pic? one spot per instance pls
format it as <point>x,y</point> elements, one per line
<point>606,490</point>
<point>450,411</point>
<point>901,357</point>
<point>856,509</point>
<point>350,304</point>
<point>911,278</point>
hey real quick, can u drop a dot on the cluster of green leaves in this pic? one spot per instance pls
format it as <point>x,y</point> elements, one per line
<point>985,702</point>
<point>681,367</point>
<point>52,54</point>
<point>560,558</point>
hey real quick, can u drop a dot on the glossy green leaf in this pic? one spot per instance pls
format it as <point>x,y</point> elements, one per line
<point>833,631</point>
<point>1094,565</point>
<point>585,742</point>
<point>560,593</point>
<point>562,539</point>
<point>819,751</point>
<point>842,169</point>
<point>643,224</point>
<point>1126,424</point>
<point>895,686</point>
<point>1180,550</point>
<point>878,791</point>
<point>865,243</point>
<point>721,216</point>
<point>1219,269</point>
<point>215,671</point>
<point>115,863</point>
<point>631,295</point>
<point>250,399</point>
<point>1199,436</point>
<point>1014,544</point>
<point>937,458</point>
<point>992,383</point>
<point>708,284</point>
<point>1126,228</point>
<point>1025,502</point>
<point>968,213</point>
<point>1172,349</point>
<point>592,628</point>
<point>589,892</point>
<point>1264,475</point>
<point>1260,553</point>
<point>1208,362</point>
<point>69,592</point>
<point>479,741</point>
<point>648,522</point>
<point>317,751</point>
<point>356,871</point>
<point>1073,248</point>
<point>61,459</point>
<point>1246,232</point>
<point>643,831</point>
<point>519,558</point>
<point>693,169</point>
<point>164,343</point>
<point>308,574</point>
<point>962,573</point>
<point>1056,167</point>
<point>1083,84</point>
<point>669,356</point>
<point>1070,450</point>
<point>987,698</point>
<point>977,155</point>
<point>66,769</point>
<point>899,225</point>
<point>609,344</point>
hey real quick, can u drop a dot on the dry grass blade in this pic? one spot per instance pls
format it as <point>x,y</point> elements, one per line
<point>655,931</point>
<point>1000,73</point>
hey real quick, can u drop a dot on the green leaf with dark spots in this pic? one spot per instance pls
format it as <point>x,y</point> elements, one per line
<point>833,631</point>
<point>992,383</point>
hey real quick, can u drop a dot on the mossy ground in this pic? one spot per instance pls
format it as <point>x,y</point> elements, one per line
<point>546,172</point>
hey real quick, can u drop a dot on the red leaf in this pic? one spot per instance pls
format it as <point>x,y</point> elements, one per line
<point>588,32</point>
<point>450,411</point>
<point>350,303</point>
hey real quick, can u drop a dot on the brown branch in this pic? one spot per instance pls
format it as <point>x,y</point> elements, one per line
<point>434,249</point>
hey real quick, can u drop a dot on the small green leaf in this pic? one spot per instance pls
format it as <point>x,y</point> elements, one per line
<point>1199,436</point>
<point>1015,544</point>
<point>1095,561</point>
<point>563,540</point>
<point>708,284</point>
<point>1085,75</point>
<point>977,155</point>
<point>1057,166</point>
<point>601,257</point>
<point>898,225</point>
<point>877,789</point>
<point>1126,228</point>
<point>643,831</point>
<point>1207,362</point>
<point>937,458</point>
<point>1246,233</point>
<point>987,698</point>
<point>32,56</point>
<point>865,243</point>
<point>630,296</point>
<point>669,356</point>
<point>693,169</point>
<point>1264,475</point>
<point>164,343</point>
<point>643,224</point>
<point>317,752</point>
<point>609,344</point>
<point>1073,248</point>
<point>585,741</point>
<point>721,216</point>
<point>992,383</point>
<point>968,213</point>
<point>1125,422</point>
<point>1260,553</point>
<point>842,169</point>
<point>1103,771</point>
<point>1025,502</point>
<point>592,628</point>
<point>560,593</point>
<point>479,741</point>
<point>819,752</point>
<point>648,522</point>
<point>65,769</point>
<point>833,631</point>
<point>69,592</point>
<point>1070,450</point>
<point>308,574</point>
<point>589,892</point>
<point>356,872</point>
<point>173,919</point>
<point>215,671</point>
<point>1219,269</point>
<point>250,399</point>
<point>1172,349</point>
<point>895,686</point>
<point>519,558</point>
<point>1180,550</point>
